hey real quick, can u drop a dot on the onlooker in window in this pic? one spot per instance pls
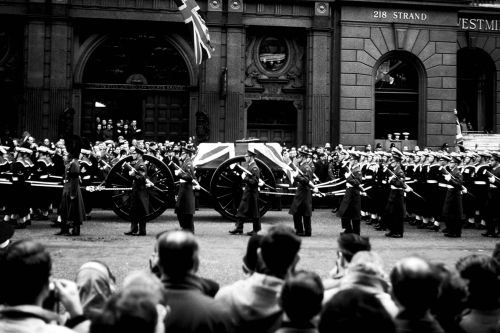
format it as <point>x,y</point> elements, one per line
<point>191,309</point>
<point>300,299</point>
<point>107,134</point>
<point>415,288</point>
<point>482,274</point>
<point>254,302</point>
<point>355,310</point>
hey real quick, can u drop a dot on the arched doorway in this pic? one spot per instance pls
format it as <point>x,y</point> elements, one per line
<point>138,77</point>
<point>273,121</point>
<point>399,84</point>
<point>476,75</point>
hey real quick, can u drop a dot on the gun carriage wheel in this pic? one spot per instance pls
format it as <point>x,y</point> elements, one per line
<point>160,194</point>
<point>226,187</point>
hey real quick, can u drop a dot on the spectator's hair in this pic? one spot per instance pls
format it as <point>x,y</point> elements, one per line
<point>178,254</point>
<point>301,296</point>
<point>415,285</point>
<point>349,244</point>
<point>279,248</point>
<point>355,310</point>
<point>250,259</point>
<point>482,273</point>
<point>142,280</point>
<point>128,311</point>
<point>26,267</point>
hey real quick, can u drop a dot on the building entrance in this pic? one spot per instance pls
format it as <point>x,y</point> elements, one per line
<point>476,76</point>
<point>273,121</point>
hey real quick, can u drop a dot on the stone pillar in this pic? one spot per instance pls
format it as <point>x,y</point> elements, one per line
<point>318,87</point>
<point>235,122</point>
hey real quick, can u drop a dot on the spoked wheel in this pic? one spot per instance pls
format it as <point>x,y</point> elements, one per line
<point>160,193</point>
<point>227,187</point>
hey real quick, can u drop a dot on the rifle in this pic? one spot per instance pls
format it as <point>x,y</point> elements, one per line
<point>463,189</point>
<point>261,182</point>
<point>149,183</point>
<point>195,182</point>
<point>407,187</point>
<point>310,183</point>
<point>492,175</point>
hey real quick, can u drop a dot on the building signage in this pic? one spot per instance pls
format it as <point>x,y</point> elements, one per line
<point>478,24</point>
<point>399,15</point>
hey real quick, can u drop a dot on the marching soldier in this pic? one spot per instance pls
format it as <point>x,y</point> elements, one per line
<point>468,170</point>
<point>249,204</point>
<point>395,209</point>
<point>481,188</point>
<point>492,206</point>
<point>21,195</point>
<point>139,197</point>
<point>41,171</point>
<point>452,208</point>
<point>350,207</point>
<point>301,207</point>
<point>185,203</point>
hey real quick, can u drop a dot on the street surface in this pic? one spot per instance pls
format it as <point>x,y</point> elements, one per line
<point>102,239</point>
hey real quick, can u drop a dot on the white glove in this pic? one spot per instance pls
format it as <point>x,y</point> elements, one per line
<point>491,179</point>
<point>447,177</point>
<point>197,187</point>
<point>315,190</point>
<point>177,172</point>
<point>261,182</point>
<point>347,174</point>
<point>295,174</point>
<point>243,175</point>
<point>464,190</point>
<point>131,173</point>
<point>407,189</point>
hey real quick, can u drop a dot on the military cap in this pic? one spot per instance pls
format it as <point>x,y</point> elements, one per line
<point>396,154</point>
<point>495,155</point>
<point>188,149</point>
<point>176,148</point>
<point>484,154</point>
<point>85,151</point>
<point>109,142</point>
<point>251,151</point>
<point>304,152</point>
<point>355,154</point>
<point>456,157</point>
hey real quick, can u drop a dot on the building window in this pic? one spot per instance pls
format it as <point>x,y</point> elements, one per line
<point>396,98</point>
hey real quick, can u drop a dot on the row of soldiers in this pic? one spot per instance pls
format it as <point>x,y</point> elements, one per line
<point>460,189</point>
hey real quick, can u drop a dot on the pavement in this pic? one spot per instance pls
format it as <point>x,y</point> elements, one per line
<point>102,239</point>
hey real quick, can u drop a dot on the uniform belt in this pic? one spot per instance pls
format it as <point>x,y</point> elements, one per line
<point>493,186</point>
<point>442,185</point>
<point>384,182</point>
<point>348,185</point>
<point>450,186</point>
<point>407,178</point>
<point>431,181</point>
<point>396,188</point>
<point>480,182</point>
<point>368,177</point>
<point>86,177</point>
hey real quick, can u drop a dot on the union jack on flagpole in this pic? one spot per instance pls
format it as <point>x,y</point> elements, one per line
<point>201,39</point>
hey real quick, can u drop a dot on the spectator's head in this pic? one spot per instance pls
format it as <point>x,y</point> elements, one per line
<point>366,269</point>
<point>355,310</point>
<point>301,297</point>
<point>250,258</point>
<point>178,254</point>
<point>148,282</point>
<point>29,265</point>
<point>349,244</point>
<point>279,250</point>
<point>128,311</point>
<point>415,285</point>
<point>95,284</point>
<point>482,274</point>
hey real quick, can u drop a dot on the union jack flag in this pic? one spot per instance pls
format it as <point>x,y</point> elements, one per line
<point>201,39</point>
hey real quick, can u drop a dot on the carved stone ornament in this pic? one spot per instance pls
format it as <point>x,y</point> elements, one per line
<point>235,4</point>
<point>215,4</point>
<point>274,60</point>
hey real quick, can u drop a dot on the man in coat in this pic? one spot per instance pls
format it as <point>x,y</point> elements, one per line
<point>185,203</point>
<point>249,204</point>
<point>139,197</point>
<point>492,206</point>
<point>301,207</point>
<point>350,207</point>
<point>395,209</point>
<point>452,208</point>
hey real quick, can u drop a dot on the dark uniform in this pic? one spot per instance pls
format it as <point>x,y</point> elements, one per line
<point>185,203</point>
<point>72,208</point>
<point>395,209</point>
<point>301,207</point>
<point>350,207</point>
<point>493,205</point>
<point>139,197</point>
<point>249,204</point>
<point>452,208</point>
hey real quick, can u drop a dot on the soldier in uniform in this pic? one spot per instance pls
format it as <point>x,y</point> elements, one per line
<point>301,207</point>
<point>139,197</point>
<point>21,194</point>
<point>452,208</point>
<point>395,209</point>
<point>492,207</point>
<point>481,188</point>
<point>185,202</point>
<point>468,169</point>
<point>249,204</point>
<point>350,207</point>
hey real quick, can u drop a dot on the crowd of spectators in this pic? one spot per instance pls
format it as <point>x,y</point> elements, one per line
<point>272,296</point>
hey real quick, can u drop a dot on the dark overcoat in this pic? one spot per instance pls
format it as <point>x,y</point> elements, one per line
<point>139,196</point>
<point>302,201</point>
<point>452,208</point>
<point>395,207</point>
<point>350,207</point>
<point>249,204</point>
<point>185,197</point>
<point>72,207</point>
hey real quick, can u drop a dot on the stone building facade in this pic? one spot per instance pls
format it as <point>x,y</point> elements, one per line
<point>296,72</point>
